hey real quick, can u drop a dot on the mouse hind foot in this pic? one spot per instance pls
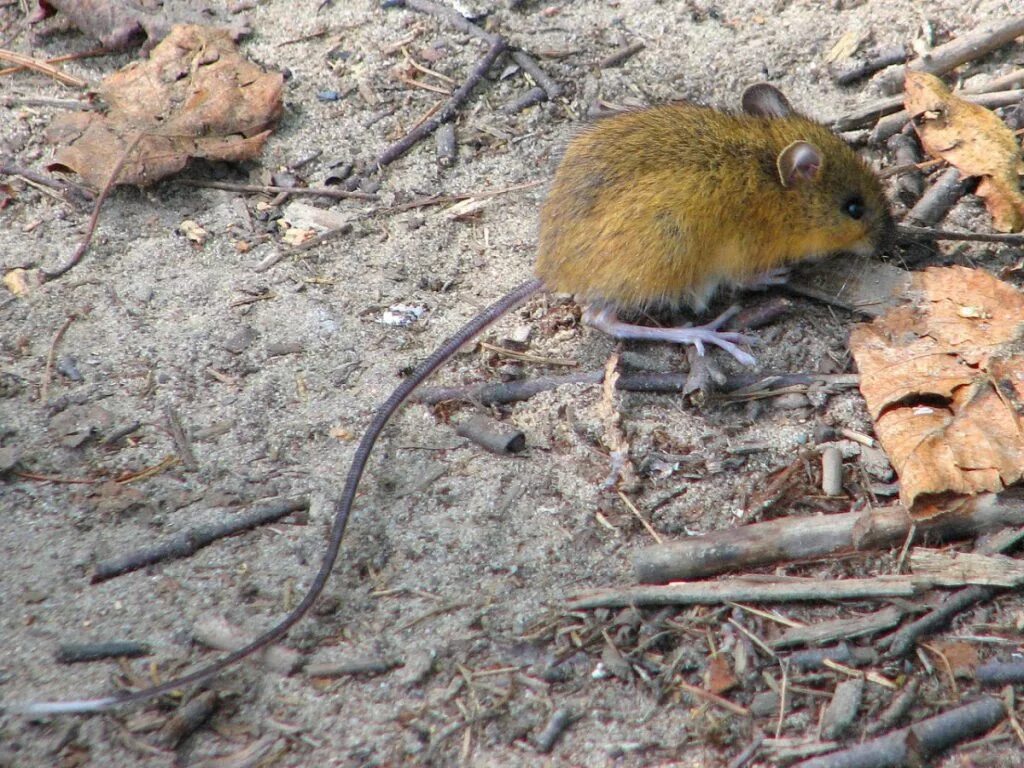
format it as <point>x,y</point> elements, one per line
<point>607,320</point>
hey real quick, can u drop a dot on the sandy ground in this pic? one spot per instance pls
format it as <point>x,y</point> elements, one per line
<point>457,561</point>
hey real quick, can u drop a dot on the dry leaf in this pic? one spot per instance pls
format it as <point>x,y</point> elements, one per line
<point>973,139</point>
<point>196,96</point>
<point>718,677</point>
<point>945,386</point>
<point>20,281</point>
<point>961,657</point>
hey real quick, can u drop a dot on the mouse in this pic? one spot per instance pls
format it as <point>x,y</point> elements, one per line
<point>649,208</point>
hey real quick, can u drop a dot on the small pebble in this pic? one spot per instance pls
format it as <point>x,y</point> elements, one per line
<point>67,366</point>
<point>240,341</point>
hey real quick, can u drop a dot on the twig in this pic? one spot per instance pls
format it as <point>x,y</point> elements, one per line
<point>894,123</point>
<point>748,753</point>
<point>451,16</point>
<point>1000,673</point>
<point>44,386</point>
<point>368,666</point>
<point>492,435</point>
<point>767,590</point>
<point>331,192</point>
<point>81,105</point>
<point>789,539</point>
<point>528,64</point>
<point>840,629</point>
<point>896,54</point>
<point>939,199</point>
<point>560,719</point>
<point>868,114</point>
<point>76,653</point>
<point>188,719</point>
<point>913,745</point>
<point>967,47</point>
<point>101,51</point>
<point>898,708</point>
<point>181,442</point>
<point>41,66</point>
<point>741,385</point>
<point>621,55</point>
<point>925,233</point>
<point>712,698</point>
<point>1010,80</point>
<point>90,230</point>
<point>190,541</point>
<point>449,110</point>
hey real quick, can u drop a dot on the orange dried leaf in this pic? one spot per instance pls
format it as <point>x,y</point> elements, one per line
<point>718,677</point>
<point>973,139</point>
<point>944,381</point>
<point>196,96</point>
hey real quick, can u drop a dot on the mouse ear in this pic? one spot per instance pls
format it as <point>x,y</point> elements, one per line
<point>764,100</point>
<point>799,163</point>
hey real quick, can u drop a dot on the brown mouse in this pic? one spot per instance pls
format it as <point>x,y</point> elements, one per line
<point>648,208</point>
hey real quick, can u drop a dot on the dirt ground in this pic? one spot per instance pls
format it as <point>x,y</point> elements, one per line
<point>457,562</point>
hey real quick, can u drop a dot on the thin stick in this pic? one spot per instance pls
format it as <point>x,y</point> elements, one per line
<point>41,66</point>
<point>868,114</point>
<point>449,110</point>
<point>451,16</point>
<point>636,513</point>
<point>61,59</point>
<point>90,230</point>
<point>926,233</point>
<point>758,590</point>
<point>960,50</point>
<point>337,194</point>
<point>740,385</point>
<point>190,541</point>
<point>712,698</point>
<point>790,539</point>
<point>44,386</point>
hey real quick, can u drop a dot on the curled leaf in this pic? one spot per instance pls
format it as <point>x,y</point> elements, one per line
<point>973,139</point>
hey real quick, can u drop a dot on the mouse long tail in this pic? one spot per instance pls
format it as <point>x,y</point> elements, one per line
<point>342,508</point>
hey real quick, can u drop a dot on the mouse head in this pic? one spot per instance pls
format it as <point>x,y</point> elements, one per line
<point>841,204</point>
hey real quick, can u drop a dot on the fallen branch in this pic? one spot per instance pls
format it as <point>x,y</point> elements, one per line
<point>190,541</point>
<point>767,590</point>
<point>789,539</point>
<point>914,745</point>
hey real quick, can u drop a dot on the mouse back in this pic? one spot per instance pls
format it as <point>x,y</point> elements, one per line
<point>662,205</point>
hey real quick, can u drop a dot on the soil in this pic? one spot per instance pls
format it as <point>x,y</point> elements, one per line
<point>457,562</point>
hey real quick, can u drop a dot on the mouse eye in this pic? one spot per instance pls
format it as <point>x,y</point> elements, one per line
<point>854,207</point>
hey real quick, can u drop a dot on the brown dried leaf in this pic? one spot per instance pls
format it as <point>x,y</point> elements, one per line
<point>944,381</point>
<point>718,677</point>
<point>962,657</point>
<point>973,139</point>
<point>196,96</point>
